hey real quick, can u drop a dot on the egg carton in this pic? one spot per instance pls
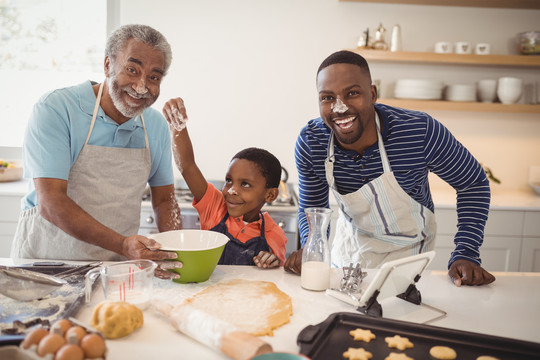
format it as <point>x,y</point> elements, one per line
<point>31,352</point>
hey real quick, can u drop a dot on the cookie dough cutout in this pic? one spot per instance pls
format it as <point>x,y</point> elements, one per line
<point>362,335</point>
<point>398,342</point>
<point>357,354</point>
<point>398,356</point>
<point>486,357</point>
<point>443,353</point>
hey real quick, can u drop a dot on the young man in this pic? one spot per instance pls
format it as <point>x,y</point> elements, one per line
<point>375,159</point>
<point>91,149</point>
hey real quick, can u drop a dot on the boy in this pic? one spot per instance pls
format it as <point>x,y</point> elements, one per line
<point>252,180</point>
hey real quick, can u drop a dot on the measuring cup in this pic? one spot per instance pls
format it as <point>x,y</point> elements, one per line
<point>129,281</point>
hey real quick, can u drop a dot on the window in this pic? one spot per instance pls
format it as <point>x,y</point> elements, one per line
<point>45,45</point>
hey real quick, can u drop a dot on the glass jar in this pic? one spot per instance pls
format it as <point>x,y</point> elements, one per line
<point>315,273</point>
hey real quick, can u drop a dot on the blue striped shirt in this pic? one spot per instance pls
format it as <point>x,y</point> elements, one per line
<point>415,144</point>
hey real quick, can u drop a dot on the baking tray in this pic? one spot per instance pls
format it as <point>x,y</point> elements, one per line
<point>330,338</point>
<point>61,303</point>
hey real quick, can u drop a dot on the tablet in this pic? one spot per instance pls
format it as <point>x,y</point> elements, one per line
<point>394,277</point>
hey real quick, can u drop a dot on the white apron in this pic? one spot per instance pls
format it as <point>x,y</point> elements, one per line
<point>380,221</point>
<point>106,182</point>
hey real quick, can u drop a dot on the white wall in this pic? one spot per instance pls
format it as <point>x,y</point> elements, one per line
<point>246,70</point>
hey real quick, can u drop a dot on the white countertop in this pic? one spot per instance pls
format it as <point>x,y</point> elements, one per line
<point>510,307</point>
<point>500,200</point>
<point>14,188</point>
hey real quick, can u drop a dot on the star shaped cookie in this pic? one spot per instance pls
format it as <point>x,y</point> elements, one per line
<point>362,335</point>
<point>401,343</point>
<point>357,354</point>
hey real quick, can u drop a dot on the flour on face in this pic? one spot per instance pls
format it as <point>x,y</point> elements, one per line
<point>339,106</point>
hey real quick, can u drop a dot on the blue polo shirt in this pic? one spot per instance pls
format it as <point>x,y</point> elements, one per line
<point>59,125</point>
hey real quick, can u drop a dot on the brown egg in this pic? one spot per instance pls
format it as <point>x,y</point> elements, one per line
<point>78,331</point>
<point>93,346</point>
<point>63,324</point>
<point>50,344</point>
<point>70,352</point>
<point>34,337</point>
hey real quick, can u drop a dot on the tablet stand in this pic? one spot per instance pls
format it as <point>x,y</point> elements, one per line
<point>374,308</point>
<point>412,295</point>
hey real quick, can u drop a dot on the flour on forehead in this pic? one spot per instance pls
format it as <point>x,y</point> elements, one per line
<point>256,307</point>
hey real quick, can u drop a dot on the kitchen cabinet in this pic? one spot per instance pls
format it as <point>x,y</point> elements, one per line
<point>530,254</point>
<point>509,4</point>
<point>501,250</point>
<point>9,216</point>
<point>427,58</point>
<point>11,193</point>
<point>530,250</point>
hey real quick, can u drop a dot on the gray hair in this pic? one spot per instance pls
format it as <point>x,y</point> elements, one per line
<point>143,33</point>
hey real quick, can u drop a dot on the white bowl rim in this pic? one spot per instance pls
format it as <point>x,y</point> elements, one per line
<point>222,239</point>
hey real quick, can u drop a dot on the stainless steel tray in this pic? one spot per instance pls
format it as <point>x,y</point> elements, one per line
<point>61,303</point>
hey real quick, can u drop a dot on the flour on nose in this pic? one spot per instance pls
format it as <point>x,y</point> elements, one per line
<point>142,90</point>
<point>339,106</point>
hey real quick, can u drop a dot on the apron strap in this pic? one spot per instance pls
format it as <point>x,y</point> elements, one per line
<point>145,134</point>
<point>96,107</point>
<point>329,162</point>
<point>382,150</point>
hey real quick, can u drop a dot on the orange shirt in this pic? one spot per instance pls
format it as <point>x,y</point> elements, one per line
<point>212,209</point>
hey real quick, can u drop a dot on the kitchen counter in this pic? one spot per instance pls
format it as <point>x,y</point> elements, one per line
<point>510,307</point>
<point>14,188</point>
<point>500,200</point>
<point>443,198</point>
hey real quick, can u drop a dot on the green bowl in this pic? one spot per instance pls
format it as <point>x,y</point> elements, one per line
<point>198,250</point>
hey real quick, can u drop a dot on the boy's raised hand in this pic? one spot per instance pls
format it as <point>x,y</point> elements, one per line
<point>266,260</point>
<point>175,113</point>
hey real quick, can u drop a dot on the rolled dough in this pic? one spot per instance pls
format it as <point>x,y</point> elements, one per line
<point>256,307</point>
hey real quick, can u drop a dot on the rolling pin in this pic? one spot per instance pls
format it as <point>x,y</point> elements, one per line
<point>213,332</point>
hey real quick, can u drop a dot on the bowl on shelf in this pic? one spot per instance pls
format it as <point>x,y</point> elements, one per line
<point>198,250</point>
<point>460,92</point>
<point>10,170</point>
<point>529,43</point>
<point>422,89</point>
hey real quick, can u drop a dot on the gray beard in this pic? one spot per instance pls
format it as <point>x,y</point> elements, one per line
<point>119,104</point>
<point>116,95</point>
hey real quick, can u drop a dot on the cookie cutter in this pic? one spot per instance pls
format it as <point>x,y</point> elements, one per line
<point>349,290</point>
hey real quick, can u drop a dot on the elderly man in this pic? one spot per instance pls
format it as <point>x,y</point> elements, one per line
<point>91,149</point>
<point>375,159</point>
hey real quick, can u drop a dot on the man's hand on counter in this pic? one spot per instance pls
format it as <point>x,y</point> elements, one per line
<point>293,264</point>
<point>141,247</point>
<point>464,272</point>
